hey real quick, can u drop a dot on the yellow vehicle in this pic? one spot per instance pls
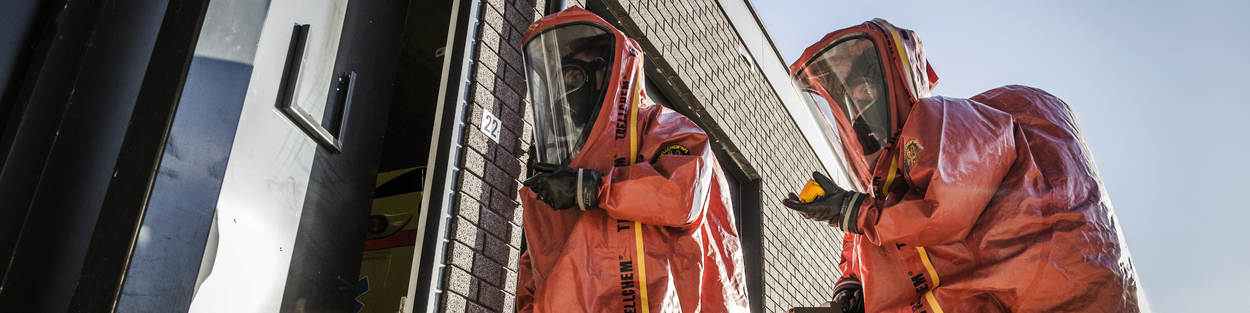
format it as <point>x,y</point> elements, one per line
<point>386,260</point>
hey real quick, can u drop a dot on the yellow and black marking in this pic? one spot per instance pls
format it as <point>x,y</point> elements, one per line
<point>911,152</point>
<point>675,149</point>
<point>928,266</point>
<point>629,287</point>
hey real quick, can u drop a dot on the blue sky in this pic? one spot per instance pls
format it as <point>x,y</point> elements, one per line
<point>1157,88</point>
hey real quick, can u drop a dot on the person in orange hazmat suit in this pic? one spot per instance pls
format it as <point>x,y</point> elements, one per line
<point>988,204</point>
<point>628,211</point>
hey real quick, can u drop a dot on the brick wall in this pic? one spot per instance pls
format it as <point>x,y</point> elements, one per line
<point>485,232</point>
<point>696,51</point>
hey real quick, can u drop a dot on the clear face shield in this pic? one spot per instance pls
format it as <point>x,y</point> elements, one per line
<point>849,76</point>
<point>567,67</point>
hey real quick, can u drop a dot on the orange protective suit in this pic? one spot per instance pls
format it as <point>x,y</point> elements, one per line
<point>663,237</point>
<point>989,204</point>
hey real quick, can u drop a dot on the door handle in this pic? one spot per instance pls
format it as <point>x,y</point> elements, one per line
<point>332,137</point>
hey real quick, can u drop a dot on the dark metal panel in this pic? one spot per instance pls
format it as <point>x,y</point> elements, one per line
<point>750,230</point>
<point>138,158</point>
<point>170,245</point>
<point>14,203</point>
<point>325,262</point>
<point>67,146</point>
<point>35,130</point>
<point>16,21</point>
<point>15,24</point>
<point>21,32</point>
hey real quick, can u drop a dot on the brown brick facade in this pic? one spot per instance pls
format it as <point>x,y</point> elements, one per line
<point>696,51</point>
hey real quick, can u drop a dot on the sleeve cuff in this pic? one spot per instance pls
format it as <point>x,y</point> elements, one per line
<point>850,212</point>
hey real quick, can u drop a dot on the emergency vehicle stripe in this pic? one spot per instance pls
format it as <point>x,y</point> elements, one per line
<point>633,158</point>
<point>928,266</point>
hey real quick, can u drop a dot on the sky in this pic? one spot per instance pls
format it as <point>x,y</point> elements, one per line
<point>1155,88</point>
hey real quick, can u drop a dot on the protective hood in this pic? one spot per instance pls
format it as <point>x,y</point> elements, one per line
<point>862,82</point>
<point>582,75</point>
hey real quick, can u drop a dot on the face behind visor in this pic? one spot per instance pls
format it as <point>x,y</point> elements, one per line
<point>567,67</point>
<point>848,76</point>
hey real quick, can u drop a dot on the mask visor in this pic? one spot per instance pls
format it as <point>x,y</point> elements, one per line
<point>567,67</point>
<point>847,78</point>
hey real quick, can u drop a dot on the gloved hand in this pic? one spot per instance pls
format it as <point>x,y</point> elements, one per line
<point>833,208</point>
<point>567,188</point>
<point>849,293</point>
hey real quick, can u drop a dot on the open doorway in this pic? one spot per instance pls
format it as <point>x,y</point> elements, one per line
<point>387,259</point>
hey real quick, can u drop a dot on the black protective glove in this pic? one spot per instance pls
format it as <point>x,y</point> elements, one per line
<point>849,294</point>
<point>838,207</point>
<point>567,188</point>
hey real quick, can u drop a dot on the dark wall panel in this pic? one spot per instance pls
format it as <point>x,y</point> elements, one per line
<point>87,90</point>
<point>16,23</point>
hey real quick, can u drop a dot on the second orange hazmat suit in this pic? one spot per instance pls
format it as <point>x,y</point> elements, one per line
<point>988,204</point>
